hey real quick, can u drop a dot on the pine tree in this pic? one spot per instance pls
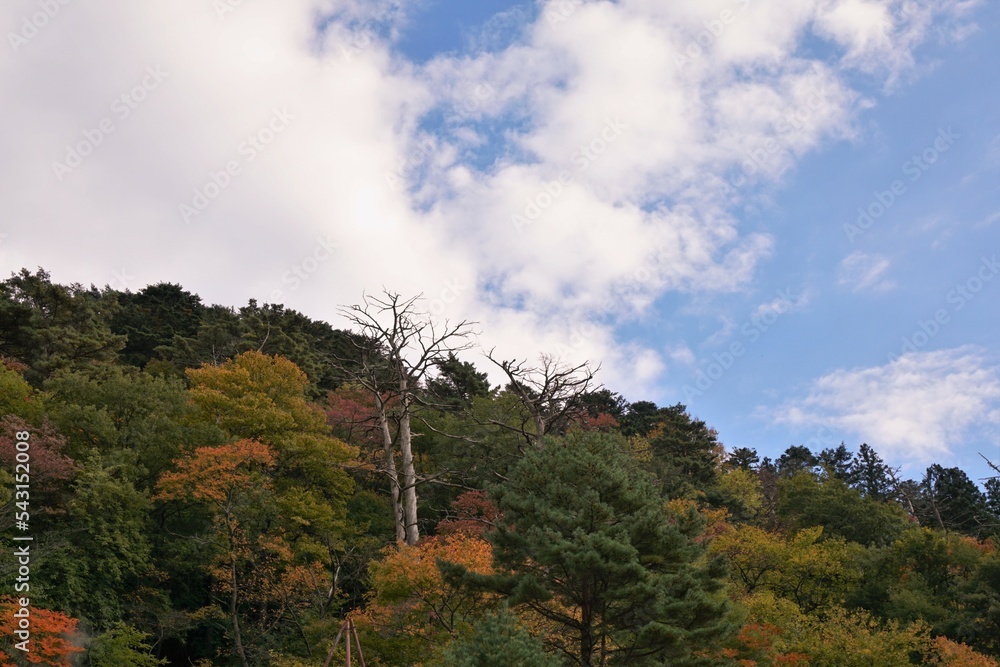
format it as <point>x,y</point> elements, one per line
<point>591,548</point>
<point>871,475</point>
<point>499,641</point>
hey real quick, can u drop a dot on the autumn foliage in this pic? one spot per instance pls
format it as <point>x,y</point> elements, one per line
<point>51,642</point>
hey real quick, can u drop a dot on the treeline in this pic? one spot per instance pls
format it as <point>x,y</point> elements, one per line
<point>219,486</point>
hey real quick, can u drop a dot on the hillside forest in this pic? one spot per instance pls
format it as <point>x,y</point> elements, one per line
<point>211,485</point>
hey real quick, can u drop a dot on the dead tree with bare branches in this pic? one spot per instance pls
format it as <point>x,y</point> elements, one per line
<point>549,394</point>
<point>401,346</point>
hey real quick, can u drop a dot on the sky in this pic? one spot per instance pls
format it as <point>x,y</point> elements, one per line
<point>784,214</point>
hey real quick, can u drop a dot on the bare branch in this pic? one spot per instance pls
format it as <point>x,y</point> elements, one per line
<point>549,393</point>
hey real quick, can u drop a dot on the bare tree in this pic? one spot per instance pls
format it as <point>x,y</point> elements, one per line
<point>549,393</point>
<point>401,345</point>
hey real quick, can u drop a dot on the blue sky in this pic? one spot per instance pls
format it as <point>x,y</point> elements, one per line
<point>442,147</point>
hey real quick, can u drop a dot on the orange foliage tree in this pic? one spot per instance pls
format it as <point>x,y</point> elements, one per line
<point>946,653</point>
<point>255,571</point>
<point>49,643</point>
<point>412,609</point>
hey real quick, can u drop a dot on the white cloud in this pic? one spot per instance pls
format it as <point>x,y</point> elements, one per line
<point>786,301</point>
<point>682,354</point>
<point>916,407</point>
<point>672,149</point>
<point>863,272</point>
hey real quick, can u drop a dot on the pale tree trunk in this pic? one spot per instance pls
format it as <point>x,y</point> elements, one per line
<point>409,472</point>
<point>390,469</point>
<point>409,479</point>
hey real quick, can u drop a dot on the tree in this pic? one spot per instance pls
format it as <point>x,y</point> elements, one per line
<point>151,318</point>
<point>949,500</point>
<point>48,642</point>
<point>261,398</point>
<point>837,462</point>
<point>399,346</point>
<point>686,452</point>
<point>815,574</point>
<point>412,610</point>
<point>871,476</point>
<point>947,653</point>
<point>586,544</point>
<point>458,383</point>
<point>550,395</point>
<point>49,327</point>
<point>120,408</point>
<point>108,551</point>
<point>639,418</point>
<point>796,458</point>
<point>604,402</point>
<point>806,500</point>
<point>407,581</point>
<point>499,640</point>
<point>122,646</point>
<point>16,396</point>
<point>253,571</point>
<point>743,457</point>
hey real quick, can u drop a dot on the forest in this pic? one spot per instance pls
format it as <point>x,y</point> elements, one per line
<point>198,485</point>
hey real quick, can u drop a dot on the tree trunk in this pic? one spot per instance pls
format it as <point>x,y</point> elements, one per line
<point>586,629</point>
<point>390,468</point>
<point>234,617</point>
<point>409,479</point>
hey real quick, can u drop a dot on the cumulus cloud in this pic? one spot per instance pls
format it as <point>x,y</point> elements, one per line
<point>917,407</point>
<point>548,185</point>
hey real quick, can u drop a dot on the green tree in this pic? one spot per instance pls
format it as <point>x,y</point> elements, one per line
<point>122,646</point>
<point>122,408</point>
<point>806,499</point>
<point>152,317</point>
<point>639,418</point>
<point>49,326</point>
<point>499,640</point>
<point>16,396</point>
<point>94,569</point>
<point>743,457</point>
<point>871,475</point>
<point>458,383</point>
<point>591,548</point>
<point>837,462</point>
<point>797,458</point>
<point>949,500</point>
<point>686,453</point>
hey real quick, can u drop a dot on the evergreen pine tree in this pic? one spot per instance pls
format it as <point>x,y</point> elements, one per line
<point>589,546</point>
